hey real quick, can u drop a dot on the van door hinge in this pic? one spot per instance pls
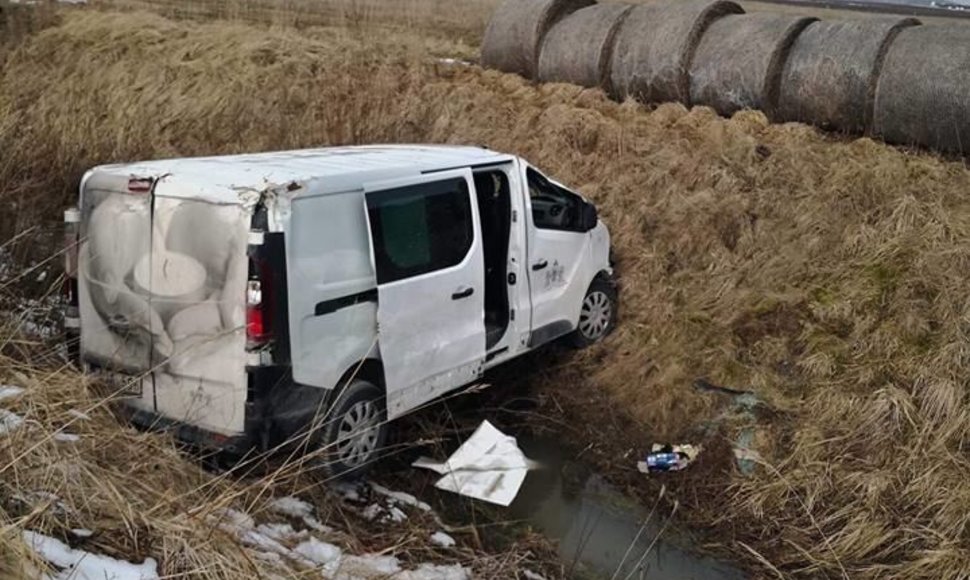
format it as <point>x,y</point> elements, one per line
<point>512,314</point>
<point>515,215</point>
<point>512,279</point>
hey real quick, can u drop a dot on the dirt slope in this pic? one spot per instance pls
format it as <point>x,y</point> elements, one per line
<point>827,276</point>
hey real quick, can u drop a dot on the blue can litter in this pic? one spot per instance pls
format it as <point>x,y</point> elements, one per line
<point>668,458</point>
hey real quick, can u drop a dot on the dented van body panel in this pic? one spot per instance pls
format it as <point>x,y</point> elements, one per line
<point>161,289</point>
<point>417,266</point>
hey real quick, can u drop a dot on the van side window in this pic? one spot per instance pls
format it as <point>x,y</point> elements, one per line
<point>553,208</point>
<point>420,228</point>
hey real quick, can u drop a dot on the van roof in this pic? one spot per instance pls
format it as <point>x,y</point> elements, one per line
<point>332,169</point>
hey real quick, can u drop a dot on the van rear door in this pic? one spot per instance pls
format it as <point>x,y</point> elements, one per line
<point>116,320</point>
<point>426,247</point>
<point>196,279</point>
<point>161,289</point>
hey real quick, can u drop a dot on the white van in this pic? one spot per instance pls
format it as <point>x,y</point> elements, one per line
<point>250,299</point>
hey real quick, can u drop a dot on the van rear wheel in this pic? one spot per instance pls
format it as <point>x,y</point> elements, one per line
<point>597,315</point>
<point>355,431</point>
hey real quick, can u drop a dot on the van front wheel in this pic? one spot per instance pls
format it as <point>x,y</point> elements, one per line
<point>356,430</point>
<point>597,316</point>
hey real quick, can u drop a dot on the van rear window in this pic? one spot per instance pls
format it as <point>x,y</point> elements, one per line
<point>420,228</point>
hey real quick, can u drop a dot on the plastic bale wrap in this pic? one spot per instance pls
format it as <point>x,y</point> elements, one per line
<point>578,49</point>
<point>923,91</point>
<point>829,79</point>
<point>515,33</point>
<point>739,60</point>
<point>655,45</point>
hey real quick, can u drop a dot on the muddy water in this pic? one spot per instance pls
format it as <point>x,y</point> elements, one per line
<point>601,532</point>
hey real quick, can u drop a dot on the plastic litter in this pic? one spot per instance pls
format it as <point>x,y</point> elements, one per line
<point>488,466</point>
<point>668,458</point>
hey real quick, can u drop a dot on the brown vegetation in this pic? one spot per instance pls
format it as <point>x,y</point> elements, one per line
<point>139,495</point>
<point>463,20</point>
<point>826,276</point>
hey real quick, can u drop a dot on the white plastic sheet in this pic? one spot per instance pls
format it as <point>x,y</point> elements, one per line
<point>488,466</point>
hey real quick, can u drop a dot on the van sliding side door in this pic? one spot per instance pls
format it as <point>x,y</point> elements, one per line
<point>426,248</point>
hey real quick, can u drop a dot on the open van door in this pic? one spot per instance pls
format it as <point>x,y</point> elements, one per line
<point>426,248</point>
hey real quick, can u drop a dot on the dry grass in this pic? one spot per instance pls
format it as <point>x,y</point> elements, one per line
<point>463,20</point>
<point>140,495</point>
<point>143,497</point>
<point>18,21</point>
<point>828,276</point>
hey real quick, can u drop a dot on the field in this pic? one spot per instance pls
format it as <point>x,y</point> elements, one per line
<point>827,276</point>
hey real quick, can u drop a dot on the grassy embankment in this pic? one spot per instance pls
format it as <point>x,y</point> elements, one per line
<point>827,276</point>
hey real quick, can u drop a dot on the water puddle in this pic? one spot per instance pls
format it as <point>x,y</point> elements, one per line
<point>601,529</point>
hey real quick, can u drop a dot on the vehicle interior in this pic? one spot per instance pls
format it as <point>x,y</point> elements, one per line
<point>495,209</point>
<point>552,206</point>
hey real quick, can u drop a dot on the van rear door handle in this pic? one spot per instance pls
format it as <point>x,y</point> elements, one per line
<point>540,265</point>
<point>462,293</point>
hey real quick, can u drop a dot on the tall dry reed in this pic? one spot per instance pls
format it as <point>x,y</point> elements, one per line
<point>826,276</point>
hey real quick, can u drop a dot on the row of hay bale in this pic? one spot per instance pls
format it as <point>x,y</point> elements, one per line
<point>888,77</point>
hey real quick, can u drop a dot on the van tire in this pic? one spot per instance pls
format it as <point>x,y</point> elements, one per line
<point>597,316</point>
<point>349,452</point>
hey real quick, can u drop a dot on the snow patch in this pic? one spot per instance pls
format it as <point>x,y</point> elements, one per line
<point>348,491</point>
<point>368,566</point>
<point>453,62</point>
<point>435,572</point>
<point>282,532</point>
<point>381,513</point>
<point>323,554</point>
<point>271,540</point>
<point>372,511</point>
<point>79,415</point>
<point>9,421</point>
<point>401,497</point>
<point>37,317</point>
<point>396,515</point>
<point>232,519</point>
<point>10,392</point>
<point>66,437</point>
<point>442,539</point>
<point>297,508</point>
<point>291,506</point>
<point>81,565</point>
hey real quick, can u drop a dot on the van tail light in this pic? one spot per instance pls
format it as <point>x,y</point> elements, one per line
<point>259,301</point>
<point>72,315</point>
<point>72,222</point>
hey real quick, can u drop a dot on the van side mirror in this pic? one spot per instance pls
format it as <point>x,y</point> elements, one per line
<point>589,217</point>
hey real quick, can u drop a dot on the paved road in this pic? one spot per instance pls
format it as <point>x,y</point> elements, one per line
<point>959,8</point>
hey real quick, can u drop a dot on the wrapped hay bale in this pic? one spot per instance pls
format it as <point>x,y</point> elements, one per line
<point>739,60</point>
<point>578,49</point>
<point>516,31</point>
<point>655,45</point>
<point>830,77</point>
<point>923,90</point>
